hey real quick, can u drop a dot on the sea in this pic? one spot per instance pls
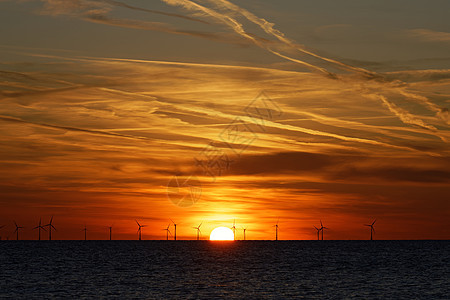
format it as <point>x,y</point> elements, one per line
<point>229,270</point>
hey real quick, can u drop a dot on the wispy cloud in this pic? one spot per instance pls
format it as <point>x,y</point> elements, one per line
<point>107,134</point>
<point>99,12</point>
<point>428,35</point>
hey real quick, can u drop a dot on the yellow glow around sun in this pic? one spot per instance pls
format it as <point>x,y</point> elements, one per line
<point>221,234</point>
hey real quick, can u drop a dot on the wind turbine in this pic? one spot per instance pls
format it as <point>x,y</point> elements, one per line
<point>175,230</point>
<point>17,230</point>
<point>322,228</point>
<point>167,232</point>
<point>244,229</point>
<point>372,230</point>
<point>276,230</point>
<point>50,226</point>
<point>140,229</point>
<point>234,229</point>
<point>318,232</point>
<point>110,232</point>
<point>85,232</point>
<point>198,230</point>
<point>39,227</point>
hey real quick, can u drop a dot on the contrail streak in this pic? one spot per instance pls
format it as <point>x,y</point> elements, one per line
<point>237,27</point>
<point>121,4</point>
<point>268,28</point>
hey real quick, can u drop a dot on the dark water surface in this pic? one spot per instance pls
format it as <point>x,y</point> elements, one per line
<point>241,269</point>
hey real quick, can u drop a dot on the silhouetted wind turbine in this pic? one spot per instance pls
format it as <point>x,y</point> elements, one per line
<point>17,230</point>
<point>110,232</point>
<point>39,227</point>
<point>372,230</point>
<point>50,226</point>
<point>244,229</point>
<point>85,232</point>
<point>167,232</point>
<point>318,232</point>
<point>140,229</point>
<point>322,228</point>
<point>175,230</point>
<point>276,230</point>
<point>198,230</point>
<point>234,229</point>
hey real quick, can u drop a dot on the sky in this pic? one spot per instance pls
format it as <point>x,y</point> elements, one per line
<point>219,111</point>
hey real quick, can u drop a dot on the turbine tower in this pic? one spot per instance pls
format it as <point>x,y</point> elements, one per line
<point>198,230</point>
<point>318,232</point>
<point>234,229</point>
<point>85,232</point>
<point>322,228</point>
<point>167,232</point>
<point>110,232</point>
<point>175,230</point>
<point>276,230</point>
<point>50,226</point>
<point>140,229</point>
<point>17,230</point>
<point>244,229</point>
<point>372,230</point>
<point>39,227</point>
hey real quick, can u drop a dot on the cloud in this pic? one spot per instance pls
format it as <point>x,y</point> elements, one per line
<point>428,35</point>
<point>99,12</point>
<point>349,166</point>
<point>419,75</point>
<point>84,133</point>
<point>405,116</point>
<point>152,11</point>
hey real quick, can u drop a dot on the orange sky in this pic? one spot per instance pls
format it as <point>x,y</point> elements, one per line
<point>100,141</point>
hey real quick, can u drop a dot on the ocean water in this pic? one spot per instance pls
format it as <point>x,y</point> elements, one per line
<point>234,270</point>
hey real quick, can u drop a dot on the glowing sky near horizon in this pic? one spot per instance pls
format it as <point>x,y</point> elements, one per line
<point>107,105</point>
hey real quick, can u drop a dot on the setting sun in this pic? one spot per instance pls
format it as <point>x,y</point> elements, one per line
<point>222,234</point>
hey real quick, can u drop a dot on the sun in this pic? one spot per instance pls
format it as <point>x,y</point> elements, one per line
<point>221,234</point>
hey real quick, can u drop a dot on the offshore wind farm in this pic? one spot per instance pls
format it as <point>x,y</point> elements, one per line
<point>233,231</point>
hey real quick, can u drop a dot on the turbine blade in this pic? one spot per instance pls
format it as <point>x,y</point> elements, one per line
<point>374,221</point>
<point>138,223</point>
